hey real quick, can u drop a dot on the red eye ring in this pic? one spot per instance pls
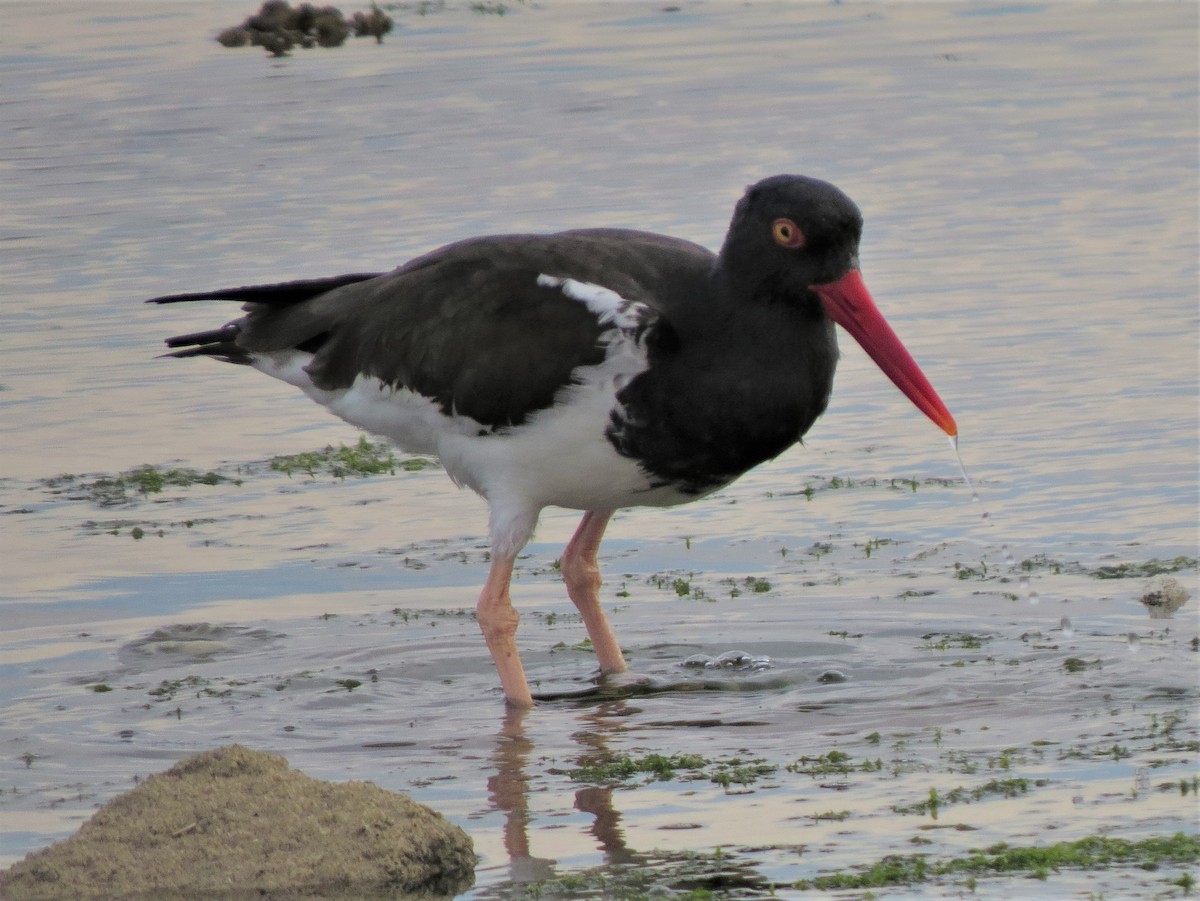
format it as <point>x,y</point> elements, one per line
<point>787,234</point>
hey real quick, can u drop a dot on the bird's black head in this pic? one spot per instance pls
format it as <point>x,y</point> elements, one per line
<point>794,240</point>
<point>790,232</point>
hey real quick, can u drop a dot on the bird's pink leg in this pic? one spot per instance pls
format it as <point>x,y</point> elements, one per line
<point>582,577</point>
<point>498,621</point>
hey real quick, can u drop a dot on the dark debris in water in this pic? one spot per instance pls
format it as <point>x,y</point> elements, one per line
<point>817,484</point>
<point>1042,563</point>
<point>278,27</point>
<point>1144,569</point>
<point>730,660</point>
<point>944,641</point>
<point>733,677</point>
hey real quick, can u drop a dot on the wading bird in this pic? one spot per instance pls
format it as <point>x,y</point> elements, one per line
<point>593,369</point>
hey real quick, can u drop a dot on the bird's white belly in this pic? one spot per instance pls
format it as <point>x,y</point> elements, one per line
<point>414,422</point>
<point>558,457</point>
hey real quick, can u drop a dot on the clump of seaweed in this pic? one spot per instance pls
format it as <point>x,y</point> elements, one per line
<point>278,27</point>
<point>126,487</point>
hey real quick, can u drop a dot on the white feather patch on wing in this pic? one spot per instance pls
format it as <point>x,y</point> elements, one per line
<point>608,305</point>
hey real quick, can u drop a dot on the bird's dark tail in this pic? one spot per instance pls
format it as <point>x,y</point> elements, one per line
<point>221,343</point>
<point>284,294</point>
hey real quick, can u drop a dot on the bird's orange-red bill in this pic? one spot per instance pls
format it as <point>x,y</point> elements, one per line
<point>848,303</point>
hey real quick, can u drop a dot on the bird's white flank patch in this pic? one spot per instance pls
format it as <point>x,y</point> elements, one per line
<point>608,305</point>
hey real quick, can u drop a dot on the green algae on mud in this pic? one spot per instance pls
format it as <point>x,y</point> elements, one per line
<point>366,458</point>
<point>1142,569</point>
<point>152,482</point>
<point>730,873</point>
<point>629,769</point>
<point>127,487</point>
<point>363,458</point>
<point>1037,862</point>
<point>1159,863</point>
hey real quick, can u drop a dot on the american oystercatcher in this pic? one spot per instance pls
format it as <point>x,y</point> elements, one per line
<point>592,369</point>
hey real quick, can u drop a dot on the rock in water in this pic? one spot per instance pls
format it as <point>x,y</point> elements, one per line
<point>1163,597</point>
<point>237,823</point>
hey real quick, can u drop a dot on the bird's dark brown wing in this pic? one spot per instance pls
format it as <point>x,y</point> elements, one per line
<point>468,326</point>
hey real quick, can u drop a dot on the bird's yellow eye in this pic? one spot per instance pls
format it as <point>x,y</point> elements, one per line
<point>787,234</point>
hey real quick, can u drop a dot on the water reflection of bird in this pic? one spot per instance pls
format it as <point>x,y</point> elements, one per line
<point>592,369</point>
<point>509,790</point>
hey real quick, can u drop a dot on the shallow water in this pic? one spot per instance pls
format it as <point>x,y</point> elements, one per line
<point>1028,177</point>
